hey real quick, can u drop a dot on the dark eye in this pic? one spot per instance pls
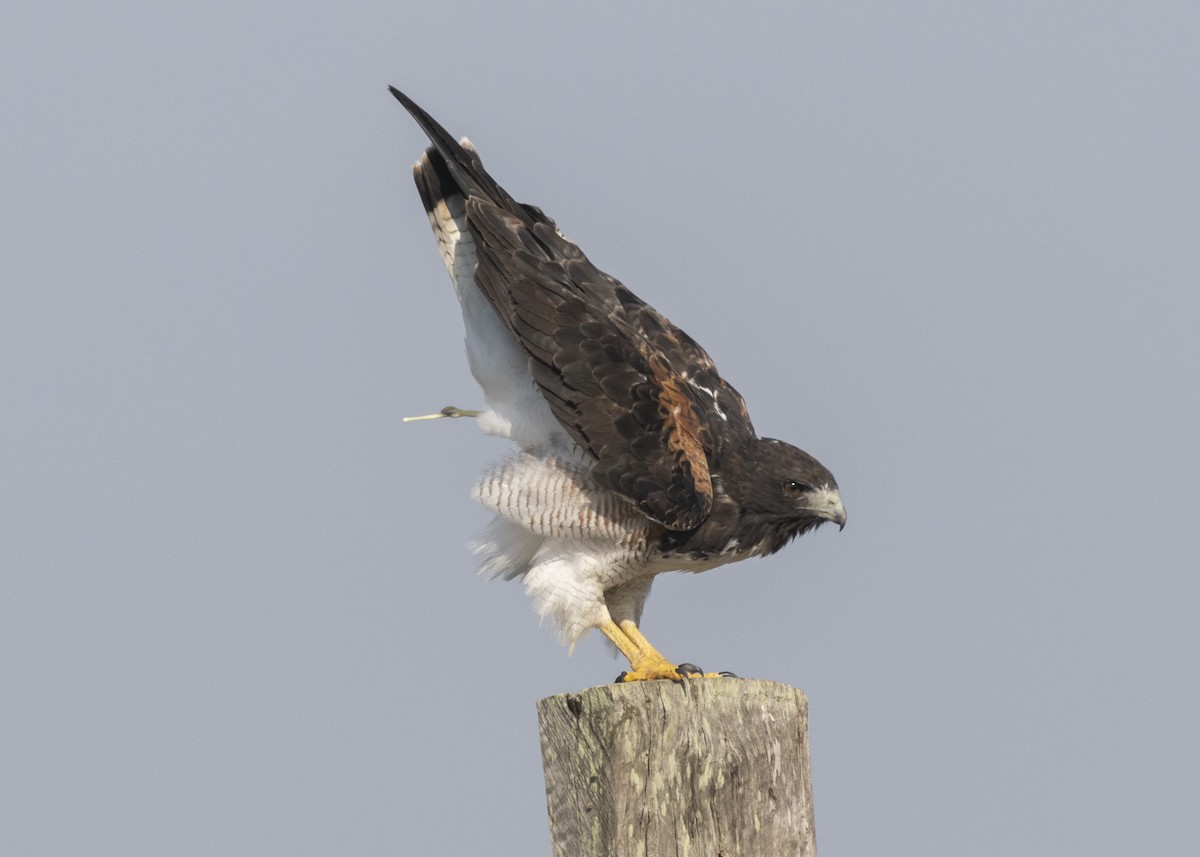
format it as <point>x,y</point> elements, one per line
<point>794,489</point>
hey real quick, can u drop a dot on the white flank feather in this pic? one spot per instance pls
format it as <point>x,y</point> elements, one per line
<point>569,540</point>
<point>515,408</point>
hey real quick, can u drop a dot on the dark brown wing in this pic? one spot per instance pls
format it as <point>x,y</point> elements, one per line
<point>638,394</point>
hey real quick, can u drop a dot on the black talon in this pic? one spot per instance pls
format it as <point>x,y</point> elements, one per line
<point>727,674</point>
<point>686,670</point>
<point>621,678</point>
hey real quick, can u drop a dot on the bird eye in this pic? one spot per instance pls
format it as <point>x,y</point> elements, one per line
<point>793,489</point>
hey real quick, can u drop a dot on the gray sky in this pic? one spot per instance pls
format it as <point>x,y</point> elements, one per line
<point>950,249</point>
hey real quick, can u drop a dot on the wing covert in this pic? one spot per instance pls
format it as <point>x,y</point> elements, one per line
<point>640,396</point>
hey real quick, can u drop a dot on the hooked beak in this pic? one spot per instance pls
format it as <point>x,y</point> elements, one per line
<point>830,507</point>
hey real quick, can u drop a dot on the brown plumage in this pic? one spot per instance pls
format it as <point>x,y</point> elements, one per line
<point>633,403</point>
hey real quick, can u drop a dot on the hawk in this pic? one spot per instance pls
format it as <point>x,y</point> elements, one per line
<point>634,456</point>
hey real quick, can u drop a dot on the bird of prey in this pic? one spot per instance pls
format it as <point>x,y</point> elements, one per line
<point>634,455</point>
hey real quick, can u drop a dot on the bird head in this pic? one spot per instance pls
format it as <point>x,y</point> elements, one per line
<point>785,492</point>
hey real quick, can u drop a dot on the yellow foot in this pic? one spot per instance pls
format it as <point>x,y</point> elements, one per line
<point>670,673</point>
<point>645,661</point>
<point>654,670</point>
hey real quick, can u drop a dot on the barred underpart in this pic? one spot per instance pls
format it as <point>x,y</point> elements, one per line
<point>555,497</point>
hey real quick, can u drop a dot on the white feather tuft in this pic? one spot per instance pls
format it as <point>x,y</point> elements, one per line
<point>570,540</point>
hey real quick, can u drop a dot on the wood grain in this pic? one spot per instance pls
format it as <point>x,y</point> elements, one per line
<point>712,767</point>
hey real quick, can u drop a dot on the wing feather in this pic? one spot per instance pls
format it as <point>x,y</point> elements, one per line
<point>641,397</point>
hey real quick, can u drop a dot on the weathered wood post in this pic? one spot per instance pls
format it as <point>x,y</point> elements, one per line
<point>706,767</point>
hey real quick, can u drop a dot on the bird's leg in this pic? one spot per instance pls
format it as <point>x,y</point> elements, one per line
<point>448,411</point>
<point>634,633</point>
<point>646,662</point>
<point>683,670</point>
<point>617,637</point>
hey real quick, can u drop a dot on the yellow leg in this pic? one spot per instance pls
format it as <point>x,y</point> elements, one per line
<point>645,665</point>
<point>617,637</point>
<point>645,661</point>
<point>639,639</point>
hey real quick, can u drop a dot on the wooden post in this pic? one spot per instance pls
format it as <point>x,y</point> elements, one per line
<point>707,767</point>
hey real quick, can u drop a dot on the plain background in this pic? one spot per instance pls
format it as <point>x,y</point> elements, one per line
<point>949,248</point>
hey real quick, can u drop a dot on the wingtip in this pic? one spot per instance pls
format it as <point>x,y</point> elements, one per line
<point>411,106</point>
<point>436,133</point>
<point>460,160</point>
